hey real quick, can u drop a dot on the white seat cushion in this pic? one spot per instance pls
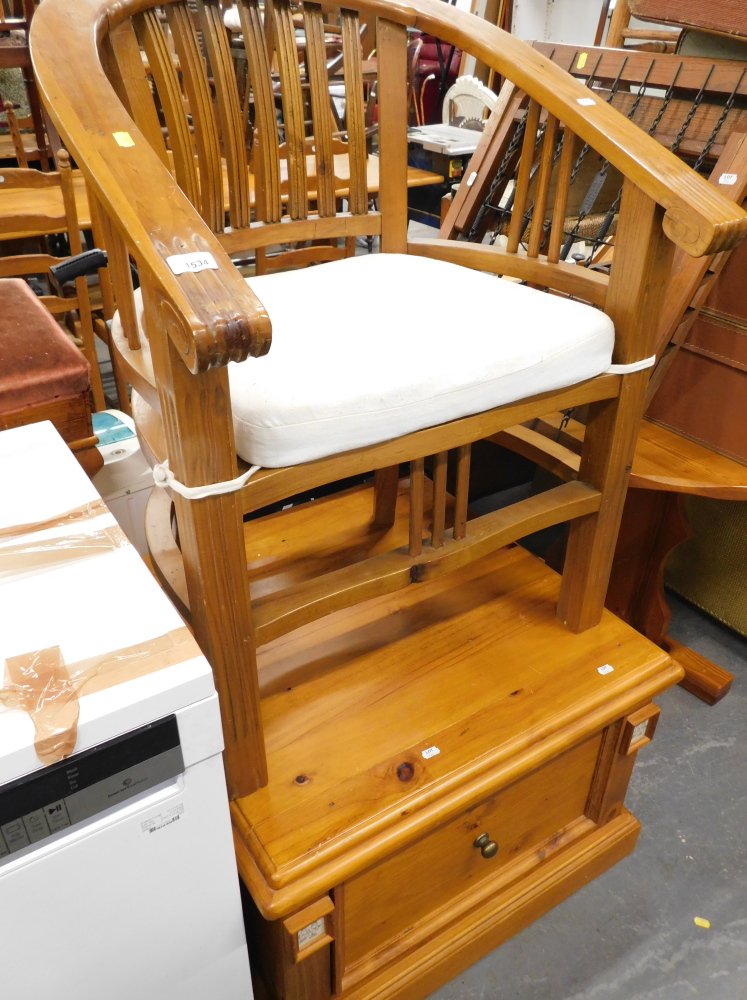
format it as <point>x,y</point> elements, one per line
<point>369,348</point>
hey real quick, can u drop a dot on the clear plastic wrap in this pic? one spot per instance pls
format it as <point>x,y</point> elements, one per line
<point>39,683</point>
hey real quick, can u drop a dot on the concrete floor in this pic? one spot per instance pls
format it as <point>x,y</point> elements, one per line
<point>630,934</point>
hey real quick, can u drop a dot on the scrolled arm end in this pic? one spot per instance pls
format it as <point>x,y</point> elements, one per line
<point>698,235</point>
<point>213,317</point>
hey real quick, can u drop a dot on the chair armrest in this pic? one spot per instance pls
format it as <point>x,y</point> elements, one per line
<point>223,319</point>
<point>698,217</point>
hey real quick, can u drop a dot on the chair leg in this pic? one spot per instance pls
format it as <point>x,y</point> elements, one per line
<point>386,484</point>
<point>212,541</point>
<point>643,261</point>
<point>606,460</point>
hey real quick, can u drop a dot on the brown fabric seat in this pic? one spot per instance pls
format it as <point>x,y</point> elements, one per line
<point>38,363</point>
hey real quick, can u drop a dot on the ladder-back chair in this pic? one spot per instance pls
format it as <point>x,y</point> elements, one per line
<point>37,202</point>
<point>165,209</point>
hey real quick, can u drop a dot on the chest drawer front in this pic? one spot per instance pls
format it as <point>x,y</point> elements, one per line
<point>384,904</point>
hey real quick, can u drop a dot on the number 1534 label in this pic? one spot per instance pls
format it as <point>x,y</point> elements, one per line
<point>181,263</point>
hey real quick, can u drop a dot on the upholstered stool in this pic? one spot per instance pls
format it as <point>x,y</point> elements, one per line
<point>43,376</point>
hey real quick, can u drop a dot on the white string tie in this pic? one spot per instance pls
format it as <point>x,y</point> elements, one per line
<point>164,478</point>
<point>634,366</point>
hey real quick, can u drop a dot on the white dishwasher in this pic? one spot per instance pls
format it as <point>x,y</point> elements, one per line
<point>117,872</point>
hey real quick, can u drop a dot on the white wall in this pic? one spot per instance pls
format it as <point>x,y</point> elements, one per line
<point>572,21</point>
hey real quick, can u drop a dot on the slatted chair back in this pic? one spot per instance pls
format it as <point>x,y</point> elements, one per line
<point>17,17</point>
<point>190,193</point>
<point>25,212</point>
<point>292,195</point>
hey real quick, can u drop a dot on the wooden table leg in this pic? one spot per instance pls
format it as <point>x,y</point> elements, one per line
<point>702,678</point>
<point>653,525</point>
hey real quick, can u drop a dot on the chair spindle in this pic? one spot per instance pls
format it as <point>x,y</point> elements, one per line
<point>293,109</point>
<point>265,154</point>
<point>197,89</point>
<point>164,75</point>
<point>464,453</point>
<point>316,70</point>
<point>524,176</point>
<point>417,498</point>
<point>355,112</point>
<point>544,176</point>
<point>565,168</point>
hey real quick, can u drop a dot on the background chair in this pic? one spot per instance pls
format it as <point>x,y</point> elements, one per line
<point>57,213</point>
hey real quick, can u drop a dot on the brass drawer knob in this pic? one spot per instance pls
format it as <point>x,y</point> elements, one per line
<point>488,848</point>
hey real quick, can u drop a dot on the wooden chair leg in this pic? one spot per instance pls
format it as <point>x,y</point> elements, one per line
<point>609,444</point>
<point>212,542</point>
<point>643,261</point>
<point>386,484</point>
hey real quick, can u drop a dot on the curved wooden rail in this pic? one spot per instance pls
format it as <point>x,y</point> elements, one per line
<point>218,318</point>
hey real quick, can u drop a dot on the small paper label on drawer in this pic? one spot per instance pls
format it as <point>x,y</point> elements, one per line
<point>123,138</point>
<point>639,731</point>
<point>431,752</point>
<point>472,178</point>
<point>308,934</point>
<point>582,60</point>
<point>606,669</point>
<point>194,262</point>
<point>586,102</point>
<point>728,179</point>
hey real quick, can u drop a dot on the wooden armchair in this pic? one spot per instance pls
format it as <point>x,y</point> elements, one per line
<point>411,666</point>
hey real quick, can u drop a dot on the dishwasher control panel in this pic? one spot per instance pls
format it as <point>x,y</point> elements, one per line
<point>41,804</point>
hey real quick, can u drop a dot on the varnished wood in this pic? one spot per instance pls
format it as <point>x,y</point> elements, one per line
<point>354,111</point>
<point>293,111</point>
<point>578,281</point>
<point>151,37</point>
<point>392,100</point>
<point>197,89</point>
<point>704,679</point>
<point>282,612</point>
<point>316,70</point>
<point>462,490</point>
<point>640,248</point>
<point>354,638</point>
<point>547,159</point>
<point>209,574</point>
<point>228,105</point>
<point>416,507</point>
<point>440,462</point>
<point>126,71</point>
<point>266,157</point>
<point>386,484</point>
<point>490,148</point>
<point>376,908</point>
<point>663,460</point>
<point>561,197</point>
<point>665,467</point>
<point>522,179</point>
<point>618,23</point>
<point>330,832</point>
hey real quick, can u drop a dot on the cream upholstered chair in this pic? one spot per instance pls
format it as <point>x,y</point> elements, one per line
<point>359,364</point>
